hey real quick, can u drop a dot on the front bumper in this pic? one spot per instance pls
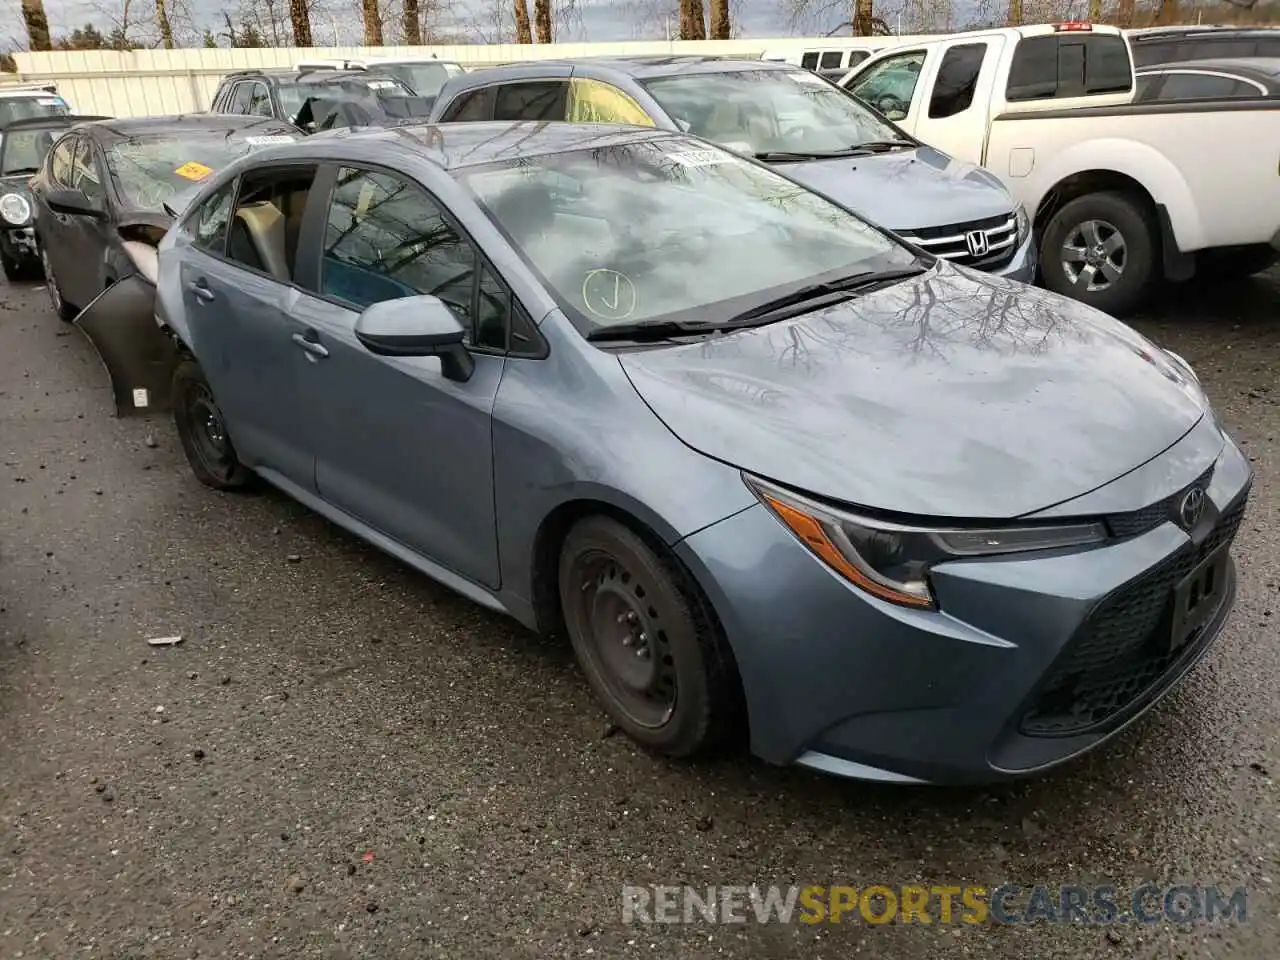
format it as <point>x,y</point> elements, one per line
<point>1027,662</point>
<point>1022,267</point>
<point>19,244</point>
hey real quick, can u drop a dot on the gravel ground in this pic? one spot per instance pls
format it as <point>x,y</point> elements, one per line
<point>344,760</point>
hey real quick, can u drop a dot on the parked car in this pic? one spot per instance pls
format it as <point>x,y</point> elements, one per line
<point>1181,44</point>
<point>1244,78</point>
<point>26,103</point>
<point>283,94</point>
<point>834,55</point>
<point>784,115</point>
<point>422,76</point>
<point>104,196</point>
<point>774,472</point>
<point>23,146</point>
<point>1123,195</point>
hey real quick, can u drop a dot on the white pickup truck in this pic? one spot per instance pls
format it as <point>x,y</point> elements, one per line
<point>1121,195</point>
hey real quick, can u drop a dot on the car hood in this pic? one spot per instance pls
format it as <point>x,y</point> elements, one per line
<point>953,394</point>
<point>906,190</point>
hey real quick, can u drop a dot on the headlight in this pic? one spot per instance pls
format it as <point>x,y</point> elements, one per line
<point>1024,224</point>
<point>892,560</point>
<point>15,209</point>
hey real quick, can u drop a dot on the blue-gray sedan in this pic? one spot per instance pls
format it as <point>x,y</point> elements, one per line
<point>773,473</point>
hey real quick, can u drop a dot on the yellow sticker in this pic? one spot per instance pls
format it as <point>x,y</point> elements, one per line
<point>193,170</point>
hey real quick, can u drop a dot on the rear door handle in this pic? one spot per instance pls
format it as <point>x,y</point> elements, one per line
<point>313,347</point>
<point>201,289</point>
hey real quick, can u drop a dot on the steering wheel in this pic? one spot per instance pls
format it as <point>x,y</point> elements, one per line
<point>892,107</point>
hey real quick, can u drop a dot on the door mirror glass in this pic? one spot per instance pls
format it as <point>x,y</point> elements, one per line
<point>416,327</point>
<point>74,202</point>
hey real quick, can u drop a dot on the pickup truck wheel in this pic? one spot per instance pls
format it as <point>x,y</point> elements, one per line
<point>1100,249</point>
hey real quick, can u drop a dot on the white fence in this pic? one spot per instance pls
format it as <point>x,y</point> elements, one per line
<point>151,82</point>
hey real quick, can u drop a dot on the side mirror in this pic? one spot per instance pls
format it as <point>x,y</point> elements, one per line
<point>74,202</point>
<point>417,327</point>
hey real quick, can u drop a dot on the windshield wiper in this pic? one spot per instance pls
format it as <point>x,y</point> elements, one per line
<point>767,155</point>
<point>833,291</point>
<point>882,146</point>
<point>645,331</point>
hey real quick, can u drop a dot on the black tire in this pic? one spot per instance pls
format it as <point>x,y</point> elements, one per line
<point>65,311</point>
<point>621,597</point>
<point>203,433</point>
<point>1069,229</point>
<point>14,272</point>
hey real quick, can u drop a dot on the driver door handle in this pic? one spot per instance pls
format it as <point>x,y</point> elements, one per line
<point>201,289</point>
<point>313,347</point>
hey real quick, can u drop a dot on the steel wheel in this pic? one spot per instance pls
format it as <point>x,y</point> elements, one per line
<point>208,432</point>
<point>626,641</point>
<point>1094,255</point>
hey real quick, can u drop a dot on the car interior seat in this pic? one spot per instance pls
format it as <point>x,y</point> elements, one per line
<point>263,226</point>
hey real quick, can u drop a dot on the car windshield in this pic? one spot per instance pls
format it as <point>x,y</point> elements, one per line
<point>22,151</point>
<point>671,229</point>
<point>294,95</point>
<point>766,111</point>
<point>28,108</point>
<point>425,79</point>
<point>150,171</point>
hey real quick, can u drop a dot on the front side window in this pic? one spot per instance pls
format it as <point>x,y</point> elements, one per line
<point>152,170</point>
<point>537,100</point>
<point>85,175</point>
<point>259,100</point>
<point>670,229</point>
<point>385,238</point>
<point>593,101</point>
<point>957,80</point>
<point>241,97</point>
<point>62,161</point>
<point>760,111</point>
<point>890,84</point>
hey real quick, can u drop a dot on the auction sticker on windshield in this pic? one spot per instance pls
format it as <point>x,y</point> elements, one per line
<point>193,170</point>
<point>700,158</point>
<point>51,102</point>
<point>264,141</point>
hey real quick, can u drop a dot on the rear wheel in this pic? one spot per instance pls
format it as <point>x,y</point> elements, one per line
<point>203,432</point>
<point>647,639</point>
<point>64,310</point>
<point>1101,249</point>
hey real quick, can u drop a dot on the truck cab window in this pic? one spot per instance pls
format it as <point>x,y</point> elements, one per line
<point>957,80</point>
<point>1058,66</point>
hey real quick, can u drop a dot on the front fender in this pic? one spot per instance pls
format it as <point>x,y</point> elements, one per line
<point>140,357</point>
<point>1142,163</point>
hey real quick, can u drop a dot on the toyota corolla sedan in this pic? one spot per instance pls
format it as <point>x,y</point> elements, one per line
<point>774,474</point>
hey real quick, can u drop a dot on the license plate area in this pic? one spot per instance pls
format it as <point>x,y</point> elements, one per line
<point>1197,596</point>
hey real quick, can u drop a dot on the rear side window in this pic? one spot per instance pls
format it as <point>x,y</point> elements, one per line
<point>472,105</point>
<point>830,60</point>
<point>542,100</point>
<point>1062,66</point>
<point>810,60</point>
<point>1204,86</point>
<point>957,80</point>
<point>62,160</point>
<point>211,222</point>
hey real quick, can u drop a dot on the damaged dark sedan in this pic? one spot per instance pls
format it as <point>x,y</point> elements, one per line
<point>101,201</point>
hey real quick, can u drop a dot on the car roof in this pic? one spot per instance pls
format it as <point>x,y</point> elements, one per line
<point>1245,66</point>
<point>458,145</point>
<point>228,123</point>
<point>49,120</point>
<point>647,67</point>
<point>1206,30</point>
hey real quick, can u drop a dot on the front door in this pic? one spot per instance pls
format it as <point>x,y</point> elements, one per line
<point>240,295</point>
<point>959,86</point>
<point>398,445</point>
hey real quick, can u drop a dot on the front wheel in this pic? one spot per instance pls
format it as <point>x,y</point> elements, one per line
<point>647,639</point>
<point>1101,249</point>
<point>203,432</point>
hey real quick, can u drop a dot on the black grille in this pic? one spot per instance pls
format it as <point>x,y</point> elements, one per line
<point>1148,518</point>
<point>1120,654</point>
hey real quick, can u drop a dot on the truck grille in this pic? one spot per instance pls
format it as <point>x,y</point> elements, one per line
<point>982,244</point>
<point>1117,658</point>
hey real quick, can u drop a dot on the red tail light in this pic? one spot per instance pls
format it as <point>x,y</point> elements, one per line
<point>1073,26</point>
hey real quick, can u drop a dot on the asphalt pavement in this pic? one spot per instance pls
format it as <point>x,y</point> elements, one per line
<point>343,760</point>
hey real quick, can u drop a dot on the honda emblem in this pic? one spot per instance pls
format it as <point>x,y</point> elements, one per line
<point>976,240</point>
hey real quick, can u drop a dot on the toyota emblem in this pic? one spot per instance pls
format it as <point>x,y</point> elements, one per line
<point>976,241</point>
<point>1192,508</point>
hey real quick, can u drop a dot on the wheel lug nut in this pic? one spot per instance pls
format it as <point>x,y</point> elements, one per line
<point>628,640</point>
<point>643,638</point>
<point>642,653</point>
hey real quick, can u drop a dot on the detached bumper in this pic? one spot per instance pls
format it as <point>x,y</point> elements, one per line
<point>140,358</point>
<point>1026,664</point>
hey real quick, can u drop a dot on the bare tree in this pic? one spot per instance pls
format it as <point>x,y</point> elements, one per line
<point>300,20</point>
<point>412,23</point>
<point>523,34</point>
<point>542,20</point>
<point>37,24</point>
<point>163,25</point>
<point>693,21</point>
<point>372,23</point>
<point>1015,13</point>
<point>720,25</point>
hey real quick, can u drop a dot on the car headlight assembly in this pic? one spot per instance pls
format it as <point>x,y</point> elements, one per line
<point>891,560</point>
<point>1024,224</point>
<point>15,209</point>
